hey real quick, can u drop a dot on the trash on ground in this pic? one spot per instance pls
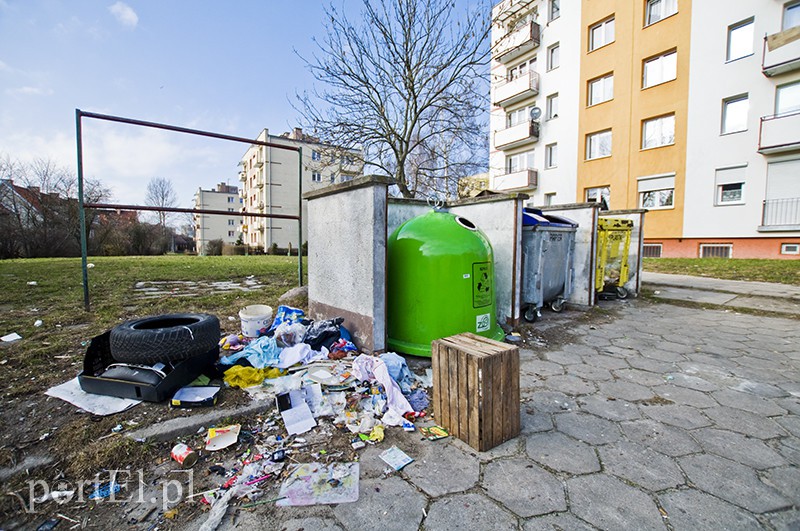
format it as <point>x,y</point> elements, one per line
<point>433,433</point>
<point>95,404</point>
<point>106,490</point>
<point>195,396</point>
<point>295,411</point>
<point>219,438</point>
<point>318,483</point>
<point>184,455</point>
<point>395,458</point>
<point>38,322</point>
<point>8,338</point>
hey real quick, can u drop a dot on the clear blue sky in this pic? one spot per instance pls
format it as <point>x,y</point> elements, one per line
<point>223,66</point>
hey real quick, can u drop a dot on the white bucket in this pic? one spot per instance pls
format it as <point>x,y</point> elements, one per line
<point>254,318</point>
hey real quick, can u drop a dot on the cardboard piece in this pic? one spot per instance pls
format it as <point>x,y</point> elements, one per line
<point>219,438</point>
<point>95,404</point>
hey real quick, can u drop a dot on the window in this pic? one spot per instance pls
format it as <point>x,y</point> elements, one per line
<point>740,40</point>
<point>657,132</point>
<point>716,250</point>
<point>551,156</point>
<point>521,69</point>
<point>729,183</point>
<point>549,199</point>
<point>553,59</point>
<point>791,15</point>
<point>659,69</point>
<point>316,177</point>
<point>519,162</point>
<point>601,194</point>
<point>651,250</point>
<point>231,234</point>
<point>231,222</point>
<point>601,34</point>
<point>315,155</point>
<point>598,145</point>
<point>333,178</point>
<point>552,106</point>
<point>656,10</point>
<point>790,248</point>
<point>734,114</point>
<point>518,116</point>
<point>230,199</point>
<point>601,89</point>
<point>230,209</point>
<point>787,98</point>
<point>554,10</point>
<point>656,191</point>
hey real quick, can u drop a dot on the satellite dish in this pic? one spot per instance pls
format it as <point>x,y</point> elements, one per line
<point>536,112</point>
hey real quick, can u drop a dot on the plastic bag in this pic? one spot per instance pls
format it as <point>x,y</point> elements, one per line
<point>289,334</point>
<point>323,333</point>
<point>260,353</point>
<point>286,314</point>
<point>398,370</point>
<point>240,376</point>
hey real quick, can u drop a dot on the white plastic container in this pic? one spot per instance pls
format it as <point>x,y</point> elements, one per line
<point>254,318</point>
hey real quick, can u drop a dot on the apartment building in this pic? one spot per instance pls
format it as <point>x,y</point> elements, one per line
<point>271,184</point>
<point>690,109</point>
<point>214,226</point>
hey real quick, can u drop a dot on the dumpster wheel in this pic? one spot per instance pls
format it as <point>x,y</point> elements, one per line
<point>622,293</point>
<point>530,314</point>
<point>557,305</point>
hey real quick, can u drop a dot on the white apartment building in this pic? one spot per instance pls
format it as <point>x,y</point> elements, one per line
<point>215,226</point>
<point>534,97</point>
<point>270,184</point>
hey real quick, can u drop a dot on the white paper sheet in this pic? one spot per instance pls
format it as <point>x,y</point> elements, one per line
<point>95,404</point>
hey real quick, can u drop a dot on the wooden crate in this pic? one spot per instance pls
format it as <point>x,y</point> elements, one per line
<point>476,389</point>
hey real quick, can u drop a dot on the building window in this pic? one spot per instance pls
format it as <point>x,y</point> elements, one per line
<point>740,40</point>
<point>729,184</point>
<point>657,132</point>
<point>554,10</point>
<point>316,177</point>
<point>600,194</point>
<point>518,116</point>
<point>791,15</point>
<point>553,59</point>
<point>716,250</point>
<point>521,69</point>
<point>790,248</point>
<point>551,156</point>
<point>656,10</point>
<point>601,34</point>
<point>549,199</point>
<point>787,98</point>
<point>552,106</point>
<point>660,69</point>
<point>315,155</point>
<point>230,209</point>
<point>656,191</point>
<point>231,233</point>
<point>734,114</point>
<point>651,250</point>
<point>519,162</point>
<point>601,89</point>
<point>231,222</point>
<point>598,145</point>
<point>333,178</point>
<point>230,199</point>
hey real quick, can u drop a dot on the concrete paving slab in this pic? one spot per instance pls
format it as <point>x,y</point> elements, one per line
<point>748,402</point>
<point>310,524</point>
<point>785,479</point>
<point>662,438</point>
<point>608,503</point>
<point>744,422</point>
<point>532,422</point>
<point>609,409</point>
<point>471,512</point>
<point>558,452</point>
<point>693,295</point>
<point>788,520</point>
<point>625,390</point>
<point>384,504</point>
<point>685,396</point>
<point>640,465</point>
<point>443,469</point>
<point>570,385</point>
<point>767,304</point>
<point>556,522</point>
<point>524,487</point>
<point>679,416</point>
<point>695,510</point>
<point>736,447</point>
<point>588,372</point>
<point>550,402</point>
<point>587,428</point>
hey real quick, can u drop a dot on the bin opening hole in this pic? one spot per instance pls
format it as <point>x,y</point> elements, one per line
<point>467,224</point>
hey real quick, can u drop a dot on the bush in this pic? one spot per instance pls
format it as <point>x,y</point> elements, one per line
<point>214,247</point>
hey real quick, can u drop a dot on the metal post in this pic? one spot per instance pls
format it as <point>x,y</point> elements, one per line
<point>300,216</point>
<point>82,212</point>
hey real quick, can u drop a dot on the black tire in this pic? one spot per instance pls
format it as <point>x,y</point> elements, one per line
<point>557,305</point>
<point>622,293</point>
<point>164,338</point>
<point>530,314</point>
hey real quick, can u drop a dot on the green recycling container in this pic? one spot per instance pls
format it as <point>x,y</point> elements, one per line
<point>440,282</point>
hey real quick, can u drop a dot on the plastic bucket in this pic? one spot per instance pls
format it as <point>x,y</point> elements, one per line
<point>254,318</point>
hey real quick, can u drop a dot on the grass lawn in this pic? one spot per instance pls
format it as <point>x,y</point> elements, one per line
<point>780,271</point>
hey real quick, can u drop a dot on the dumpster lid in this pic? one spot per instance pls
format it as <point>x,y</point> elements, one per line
<point>540,218</point>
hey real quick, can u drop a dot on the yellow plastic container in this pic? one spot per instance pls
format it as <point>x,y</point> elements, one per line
<point>611,266</point>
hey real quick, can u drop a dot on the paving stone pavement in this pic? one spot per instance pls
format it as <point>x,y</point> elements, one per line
<point>658,417</point>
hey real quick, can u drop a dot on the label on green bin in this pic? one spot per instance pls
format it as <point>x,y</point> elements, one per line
<point>481,284</point>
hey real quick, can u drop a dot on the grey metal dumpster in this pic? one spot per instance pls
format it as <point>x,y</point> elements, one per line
<point>548,245</point>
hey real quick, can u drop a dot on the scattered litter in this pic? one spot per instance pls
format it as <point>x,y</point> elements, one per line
<point>184,455</point>
<point>219,438</point>
<point>171,514</point>
<point>8,338</point>
<point>418,399</point>
<point>195,396</point>
<point>38,322</point>
<point>217,512</point>
<point>89,265</point>
<point>117,428</point>
<point>434,433</point>
<point>295,411</point>
<point>317,483</point>
<point>48,525</point>
<point>95,404</point>
<point>358,444</point>
<point>105,491</point>
<point>33,283</point>
<point>395,458</point>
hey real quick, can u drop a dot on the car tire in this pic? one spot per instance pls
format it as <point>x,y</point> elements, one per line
<point>164,338</point>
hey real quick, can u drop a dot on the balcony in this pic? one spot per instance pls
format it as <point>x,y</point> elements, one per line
<point>779,133</point>
<point>780,215</point>
<point>242,176</point>
<point>516,90</point>
<point>781,52</point>
<point>516,135</point>
<point>516,43</point>
<point>518,180</point>
<point>258,164</point>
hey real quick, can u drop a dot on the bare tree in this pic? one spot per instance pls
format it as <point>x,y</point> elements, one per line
<point>160,193</point>
<point>406,84</point>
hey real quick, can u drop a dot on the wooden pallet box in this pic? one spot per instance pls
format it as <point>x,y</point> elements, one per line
<point>476,389</point>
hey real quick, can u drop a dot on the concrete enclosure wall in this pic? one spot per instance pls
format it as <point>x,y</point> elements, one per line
<point>347,257</point>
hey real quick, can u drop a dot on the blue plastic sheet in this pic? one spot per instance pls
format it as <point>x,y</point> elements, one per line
<point>286,314</point>
<point>398,370</point>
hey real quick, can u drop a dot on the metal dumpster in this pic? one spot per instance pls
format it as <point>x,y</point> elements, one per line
<point>548,245</point>
<point>611,268</point>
